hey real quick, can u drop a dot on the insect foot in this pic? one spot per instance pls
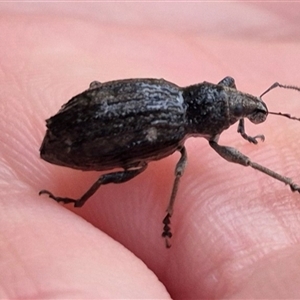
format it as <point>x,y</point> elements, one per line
<point>126,124</point>
<point>294,187</point>
<point>77,203</point>
<point>167,234</point>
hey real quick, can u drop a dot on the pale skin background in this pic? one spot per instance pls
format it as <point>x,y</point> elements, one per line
<point>236,232</point>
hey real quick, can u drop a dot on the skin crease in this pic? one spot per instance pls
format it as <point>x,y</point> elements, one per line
<point>236,232</point>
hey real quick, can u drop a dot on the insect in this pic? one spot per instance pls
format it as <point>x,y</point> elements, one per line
<point>128,123</point>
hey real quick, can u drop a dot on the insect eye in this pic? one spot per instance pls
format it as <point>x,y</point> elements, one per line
<point>238,110</point>
<point>258,116</point>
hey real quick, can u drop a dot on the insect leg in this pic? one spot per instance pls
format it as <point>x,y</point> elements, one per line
<point>233,155</point>
<point>251,139</point>
<point>95,84</point>
<point>115,177</point>
<point>180,166</point>
<point>228,81</point>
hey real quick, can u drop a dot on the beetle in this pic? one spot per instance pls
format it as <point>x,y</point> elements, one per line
<point>128,123</point>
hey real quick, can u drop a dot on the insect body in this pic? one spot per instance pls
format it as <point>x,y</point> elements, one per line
<point>128,123</point>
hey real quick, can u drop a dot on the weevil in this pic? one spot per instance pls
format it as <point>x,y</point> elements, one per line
<point>128,123</point>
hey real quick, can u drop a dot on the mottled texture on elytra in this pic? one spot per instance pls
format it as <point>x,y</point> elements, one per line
<point>117,124</point>
<point>128,123</point>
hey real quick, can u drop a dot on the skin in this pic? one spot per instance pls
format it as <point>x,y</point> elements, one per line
<point>236,232</point>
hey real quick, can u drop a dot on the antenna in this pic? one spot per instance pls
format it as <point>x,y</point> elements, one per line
<point>290,87</point>
<point>276,84</point>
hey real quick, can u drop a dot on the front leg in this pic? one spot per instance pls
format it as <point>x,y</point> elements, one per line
<point>235,156</point>
<point>228,81</point>
<point>95,84</point>
<point>250,139</point>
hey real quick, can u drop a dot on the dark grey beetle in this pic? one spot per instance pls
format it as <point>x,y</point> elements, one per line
<point>128,123</point>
